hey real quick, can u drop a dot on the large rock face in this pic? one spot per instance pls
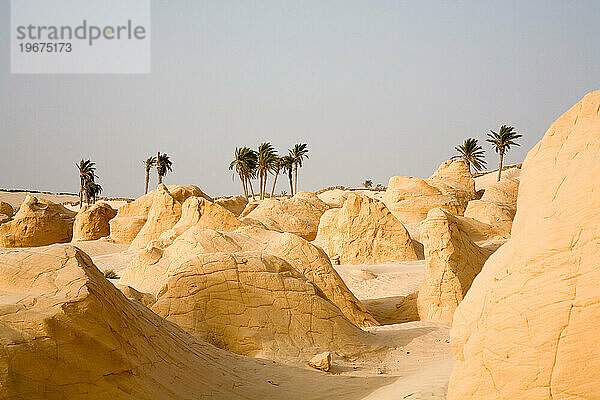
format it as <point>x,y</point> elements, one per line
<point>68,333</point>
<point>299,215</point>
<point>452,261</point>
<point>451,187</point>
<point>132,217</point>
<point>92,222</point>
<point>497,206</point>
<point>528,328</point>
<point>364,231</point>
<point>254,304</point>
<point>37,223</point>
<point>149,271</point>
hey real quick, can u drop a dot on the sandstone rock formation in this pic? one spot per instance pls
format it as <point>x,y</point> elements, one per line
<point>201,213</point>
<point>149,271</point>
<point>527,329</point>
<point>234,204</point>
<point>92,222</point>
<point>452,261</point>
<point>6,211</point>
<point>255,304</point>
<point>68,333</point>
<point>321,361</point>
<point>451,187</point>
<point>498,205</point>
<point>364,231</point>
<point>133,216</point>
<point>37,223</point>
<point>299,215</point>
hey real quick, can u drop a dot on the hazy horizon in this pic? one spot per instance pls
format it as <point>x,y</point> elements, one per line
<point>376,89</point>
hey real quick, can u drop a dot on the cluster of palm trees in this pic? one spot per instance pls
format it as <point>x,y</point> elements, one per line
<point>250,164</point>
<point>473,154</point>
<point>163,165</point>
<point>88,187</point>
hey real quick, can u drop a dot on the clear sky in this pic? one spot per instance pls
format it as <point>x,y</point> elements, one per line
<point>376,89</point>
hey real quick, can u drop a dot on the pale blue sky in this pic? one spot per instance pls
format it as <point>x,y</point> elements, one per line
<point>376,88</point>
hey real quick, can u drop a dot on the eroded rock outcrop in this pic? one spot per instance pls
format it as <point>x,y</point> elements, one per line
<point>497,206</point>
<point>38,222</point>
<point>132,217</point>
<point>364,231</point>
<point>234,204</point>
<point>149,270</point>
<point>92,221</point>
<point>68,333</point>
<point>451,187</point>
<point>6,211</point>
<point>254,304</point>
<point>527,328</point>
<point>452,261</point>
<point>299,214</point>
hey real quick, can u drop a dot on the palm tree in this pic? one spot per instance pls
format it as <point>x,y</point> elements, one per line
<point>502,141</point>
<point>266,158</point>
<point>471,153</point>
<point>92,190</point>
<point>244,163</point>
<point>163,165</point>
<point>368,184</point>
<point>87,173</point>
<point>148,164</point>
<point>276,169</point>
<point>299,152</point>
<point>287,164</point>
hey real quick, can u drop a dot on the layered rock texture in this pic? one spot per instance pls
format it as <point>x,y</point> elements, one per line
<point>255,304</point>
<point>299,214</point>
<point>364,231</point>
<point>68,333</point>
<point>497,206</point>
<point>37,223</point>
<point>452,261</point>
<point>528,327</point>
<point>149,271</point>
<point>451,187</point>
<point>132,217</point>
<point>92,222</point>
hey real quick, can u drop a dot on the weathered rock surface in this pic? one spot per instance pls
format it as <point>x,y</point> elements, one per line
<point>201,213</point>
<point>452,261</point>
<point>234,204</point>
<point>451,187</point>
<point>6,211</point>
<point>321,361</point>
<point>149,271</point>
<point>498,205</point>
<point>132,217</point>
<point>299,215</point>
<point>364,231</point>
<point>528,327</point>
<point>254,304</point>
<point>92,222</point>
<point>68,333</point>
<point>37,223</point>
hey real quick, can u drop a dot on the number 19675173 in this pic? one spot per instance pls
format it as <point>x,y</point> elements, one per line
<point>44,47</point>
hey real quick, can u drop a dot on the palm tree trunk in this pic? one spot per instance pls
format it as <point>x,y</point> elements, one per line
<point>244,187</point>
<point>295,178</point>
<point>81,184</point>
<point>265,184</point>
<point>261,184</point>
<point>291,184</point>
<point>500,166</point>
<point>251,188</point>
<point>147,180</point>
<point>274,183</point>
